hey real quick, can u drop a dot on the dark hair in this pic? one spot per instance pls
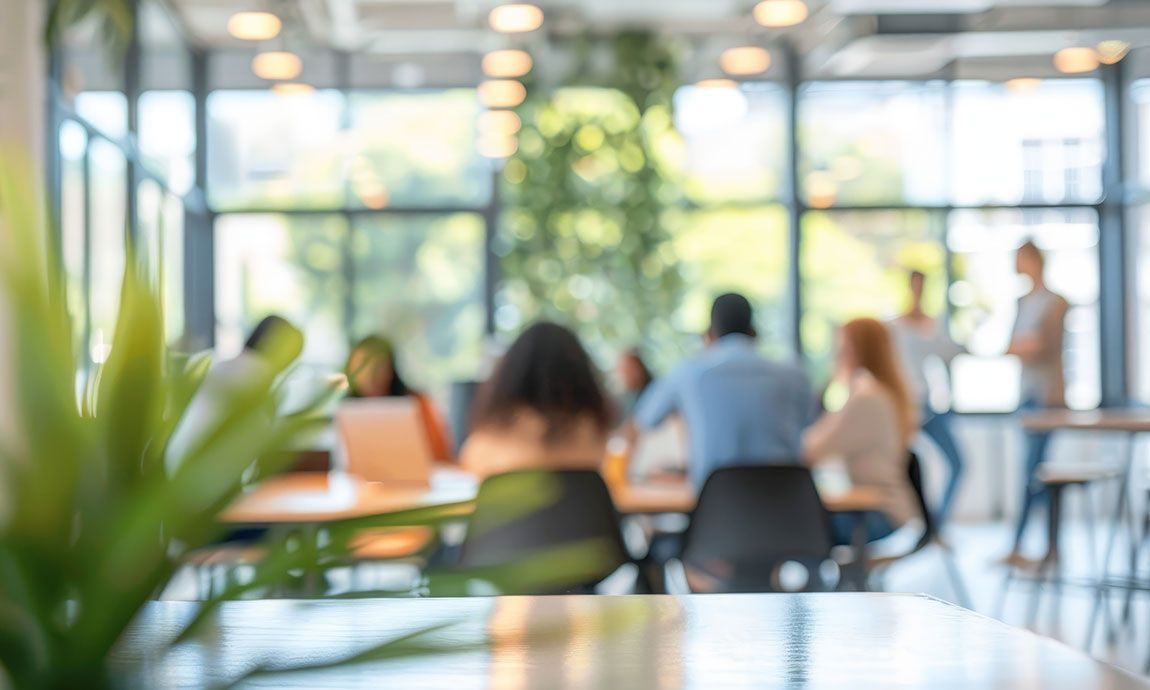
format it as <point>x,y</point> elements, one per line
<point>731,313</point>
<point>376,348</point>
<point>264,329</point>
<point>636,356</point>
<point>548,371</point>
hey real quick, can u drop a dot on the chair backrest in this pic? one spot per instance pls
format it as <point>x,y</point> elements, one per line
<point>531,513</point>
<point>757,517</point>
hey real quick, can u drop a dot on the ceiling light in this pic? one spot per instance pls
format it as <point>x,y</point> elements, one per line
<point>515,19</point>
<point>777,14</point>
<point>717,84</point>
<point>501,93</point>
<point>745,60</point>
<point>1021,84</point>
<point>497,146</point>
<point>1112,52</point>
<point>277,65</point>
<point>500,122</point>
<point>254,26</point>
<point>292,88</point>
<point>1076,60</point>
<point>507,64</point>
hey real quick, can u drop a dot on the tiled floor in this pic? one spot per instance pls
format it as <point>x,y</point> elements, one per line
<point>1064,614</point>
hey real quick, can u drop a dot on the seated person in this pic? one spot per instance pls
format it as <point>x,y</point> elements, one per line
<point>371,373</point>
<point>872,431</point>
<point>543,407</point>
<point>738,406</point>
<point>634,378</point>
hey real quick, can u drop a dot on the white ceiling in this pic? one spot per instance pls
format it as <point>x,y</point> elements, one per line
<point>843,38</point>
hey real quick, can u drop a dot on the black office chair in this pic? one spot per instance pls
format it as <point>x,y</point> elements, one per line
<point>930,537</point>
<point>543,532</point>
<point>749,522</point>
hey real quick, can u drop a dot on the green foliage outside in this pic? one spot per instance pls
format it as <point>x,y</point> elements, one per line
<point>584,238</point>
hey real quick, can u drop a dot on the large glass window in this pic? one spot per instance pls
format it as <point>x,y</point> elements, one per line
<point>419,282</point>
<point>734,142</point>
<point>272,151</point>
<point>734,249</point>
<point>872,143</point>
<point>856,263</point>
<point>107,175</point>
<point>167,137</point>
<point>986,290</point>
<point>1045,145</point>
<point>73,223</point>
<point>416,149</point>
<point>286,265</point>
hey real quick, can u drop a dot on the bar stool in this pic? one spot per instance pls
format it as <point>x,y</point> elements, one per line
<point>1056,481</point>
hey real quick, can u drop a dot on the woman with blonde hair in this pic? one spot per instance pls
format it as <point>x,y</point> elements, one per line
<point>871,434</point>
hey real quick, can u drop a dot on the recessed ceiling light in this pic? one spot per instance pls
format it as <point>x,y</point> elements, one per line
<point>277,65</point>
<point>745,60</point>
<point>1112,52</point>
<point>254,26</point>
<point>777,14</point>
<point>292,88</point>
<point>515,19</point>
<point>499,122</point>
<point>717,84</point>
<point>497,146</point>
<point>507,64</point>
<point>1076,60</point>
<point>1023,83</point>
<point>502,93</point>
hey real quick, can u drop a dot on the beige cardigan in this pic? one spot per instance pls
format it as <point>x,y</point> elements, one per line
<point>866,435</point>
<point>493,450</point>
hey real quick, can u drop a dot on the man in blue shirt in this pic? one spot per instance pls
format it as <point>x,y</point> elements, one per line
<point>739,407</point>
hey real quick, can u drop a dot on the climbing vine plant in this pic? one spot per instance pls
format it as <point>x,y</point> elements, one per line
<point>583,239</point>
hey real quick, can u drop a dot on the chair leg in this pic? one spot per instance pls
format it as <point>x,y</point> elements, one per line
<point>957,583</point>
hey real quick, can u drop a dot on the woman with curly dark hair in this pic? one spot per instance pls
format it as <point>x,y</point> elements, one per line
<point>544,406</point>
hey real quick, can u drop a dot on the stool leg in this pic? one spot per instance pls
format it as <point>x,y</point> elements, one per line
<point>1050,562</point>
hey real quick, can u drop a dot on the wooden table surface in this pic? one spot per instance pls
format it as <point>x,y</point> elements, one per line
<point>1131,420</point>
<point>812,641</point>
<point>316,497</point>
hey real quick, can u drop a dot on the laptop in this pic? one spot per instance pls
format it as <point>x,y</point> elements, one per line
<point>383,440</point>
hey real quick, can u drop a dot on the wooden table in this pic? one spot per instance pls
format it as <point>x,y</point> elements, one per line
<point>310,497</point>
<point>813,641</point>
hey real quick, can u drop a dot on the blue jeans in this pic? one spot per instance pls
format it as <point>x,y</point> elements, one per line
<point>843,526</point>
<point>1035,494</point>
<point>937,428</point>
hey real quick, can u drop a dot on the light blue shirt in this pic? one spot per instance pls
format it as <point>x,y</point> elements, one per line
<point>739,407</point>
